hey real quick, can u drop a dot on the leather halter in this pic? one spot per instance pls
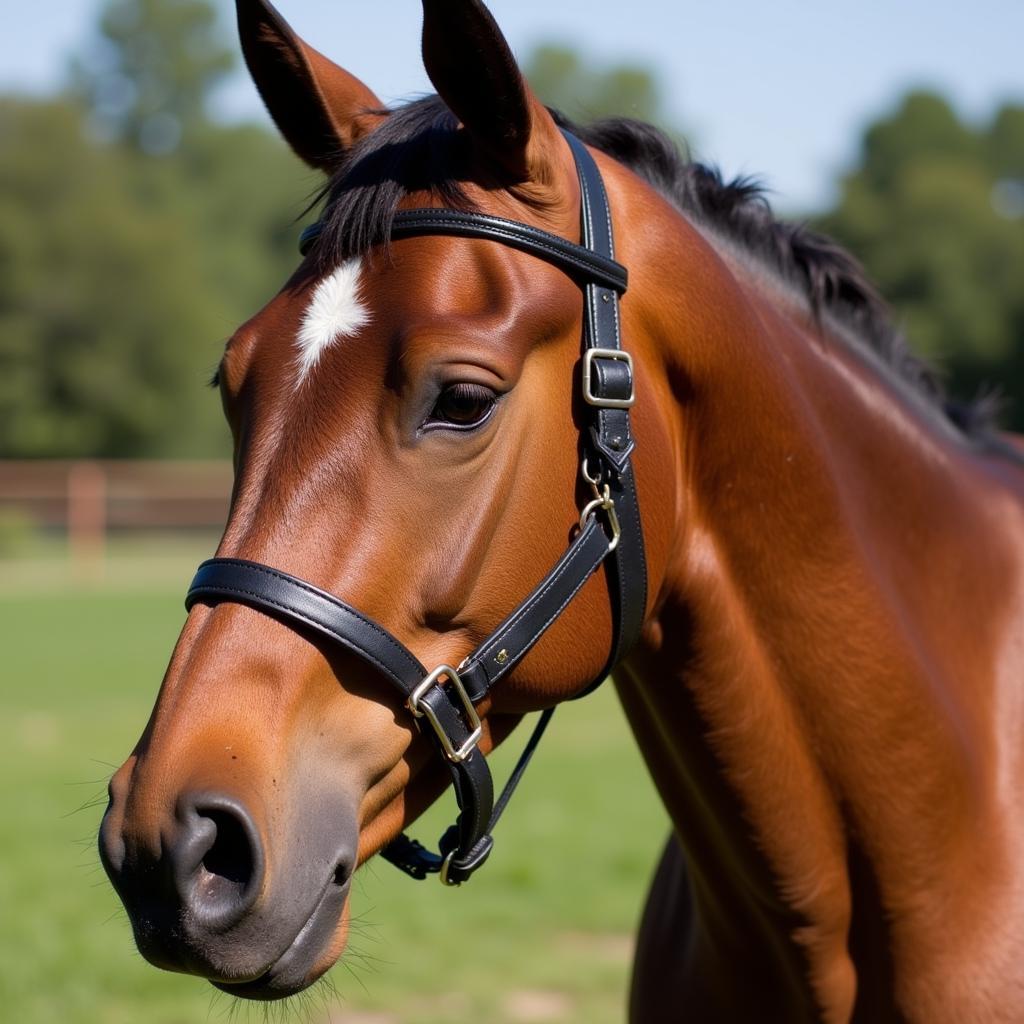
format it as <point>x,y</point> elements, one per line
<point>445,698</point>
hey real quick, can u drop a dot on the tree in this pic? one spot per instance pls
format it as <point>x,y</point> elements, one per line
<point>124,269</point>
<point>121,276</point>
<point>585,92</point>
<point>935,210</point>
<point>148,78</point>
<point>99,353</point>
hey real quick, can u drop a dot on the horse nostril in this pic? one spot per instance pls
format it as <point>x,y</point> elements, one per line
<point>218,861</point>
<point>230,857</point>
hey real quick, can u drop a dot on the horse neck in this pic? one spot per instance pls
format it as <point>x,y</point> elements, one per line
<point>818,691</point>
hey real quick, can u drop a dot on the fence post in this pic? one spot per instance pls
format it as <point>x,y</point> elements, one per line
<point>87,520</point>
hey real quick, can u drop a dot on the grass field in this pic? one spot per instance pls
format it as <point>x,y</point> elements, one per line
<point>542,934</point>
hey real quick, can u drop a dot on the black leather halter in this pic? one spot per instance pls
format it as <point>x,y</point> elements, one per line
<point>445,698</point>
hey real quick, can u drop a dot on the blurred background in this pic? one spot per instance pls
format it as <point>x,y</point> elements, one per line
<point>147,208</point>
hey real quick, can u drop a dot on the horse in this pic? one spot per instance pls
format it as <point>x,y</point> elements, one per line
<point>742,493</point>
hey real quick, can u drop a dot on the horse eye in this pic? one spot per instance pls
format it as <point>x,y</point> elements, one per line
<point>462,406</point>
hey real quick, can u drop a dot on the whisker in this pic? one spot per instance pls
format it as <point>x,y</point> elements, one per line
<point>98,800</point>
<point>90,782</point>
<point>351,970</point>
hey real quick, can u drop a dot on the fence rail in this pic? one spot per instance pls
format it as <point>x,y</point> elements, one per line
<point>89,499</point>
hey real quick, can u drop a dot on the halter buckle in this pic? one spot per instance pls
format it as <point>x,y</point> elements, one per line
<point>445,864</point>
<point>423,710</point>
<point>603,500</point>
<point>588,365</point>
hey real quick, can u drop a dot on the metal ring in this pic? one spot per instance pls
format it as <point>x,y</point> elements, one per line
<point>590,508</point>
<point>444,869</point>
<point>604,501</point>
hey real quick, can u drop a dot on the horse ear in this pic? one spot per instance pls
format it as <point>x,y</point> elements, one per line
<point>472,67</point>
<point>319,108</point>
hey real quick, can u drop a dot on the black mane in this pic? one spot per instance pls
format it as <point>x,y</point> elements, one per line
<point>417,148</point>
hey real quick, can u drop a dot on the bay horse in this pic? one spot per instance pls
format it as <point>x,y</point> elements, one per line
<point>747,497</point>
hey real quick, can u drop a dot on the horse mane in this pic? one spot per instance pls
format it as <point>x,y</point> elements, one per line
<point>417,148</point>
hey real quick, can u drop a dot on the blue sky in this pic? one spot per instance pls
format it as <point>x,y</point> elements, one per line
<point>780,89</point>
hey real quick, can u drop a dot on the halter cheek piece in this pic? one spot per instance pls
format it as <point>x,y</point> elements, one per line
<point>444,699</point>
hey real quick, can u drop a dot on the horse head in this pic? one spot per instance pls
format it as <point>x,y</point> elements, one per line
<point>409,431</point>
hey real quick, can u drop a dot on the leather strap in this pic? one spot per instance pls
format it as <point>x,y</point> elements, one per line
<point>298,603</point>
<point>610,432</point>
<point>576,260</point>
<point>526,624</point>
<point>610,526</point>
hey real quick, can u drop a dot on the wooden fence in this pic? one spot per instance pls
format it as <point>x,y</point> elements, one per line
<point>88,500</point>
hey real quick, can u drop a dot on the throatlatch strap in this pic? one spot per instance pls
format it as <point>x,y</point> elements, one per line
<point>610,526</point>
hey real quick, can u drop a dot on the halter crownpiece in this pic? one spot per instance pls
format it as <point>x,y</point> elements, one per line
<point>446,697</point>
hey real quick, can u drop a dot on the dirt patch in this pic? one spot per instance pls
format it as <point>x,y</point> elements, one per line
<point>536,1005</point>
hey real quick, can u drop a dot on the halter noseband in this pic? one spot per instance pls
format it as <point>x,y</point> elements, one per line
<point>446,697</point>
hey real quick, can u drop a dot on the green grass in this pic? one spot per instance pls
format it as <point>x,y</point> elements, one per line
<point>542,934</point>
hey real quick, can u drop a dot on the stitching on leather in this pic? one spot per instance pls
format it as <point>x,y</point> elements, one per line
<point>593,328</point>
<point>222,589</point>
<point>588,226</point>
<point>531,602</point>
<point>480,820</point>
<point>587,212</point>
<point>608,220</point>
<point>635,512</point>
<point>587,218</point>
<point>569,560</point>
<point>603,418</point>
<point>633,506</point>
<point>587,260</point>
<point>603,196</point>
<point>463,778</point>
<point>593,307</point>
<point>328,599</point>
<point>593,332</point>
<point>334,602</point>
<point>599,191</point>
<point>558,611</point>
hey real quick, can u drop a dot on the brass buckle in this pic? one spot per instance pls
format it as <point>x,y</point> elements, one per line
<point>603,500</point>
<point>426,711</point>
<point>588,394</point>
<point>444,869</point>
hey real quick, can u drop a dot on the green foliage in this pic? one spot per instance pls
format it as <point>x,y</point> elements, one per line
<point>585,92</point>
<point>95,340</point>
<point>123,272</point>
<point>121,276</point>
<point>148,78</point>
<point>935,210</point>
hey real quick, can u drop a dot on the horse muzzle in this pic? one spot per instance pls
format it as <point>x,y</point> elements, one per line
<point>208,894</point>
